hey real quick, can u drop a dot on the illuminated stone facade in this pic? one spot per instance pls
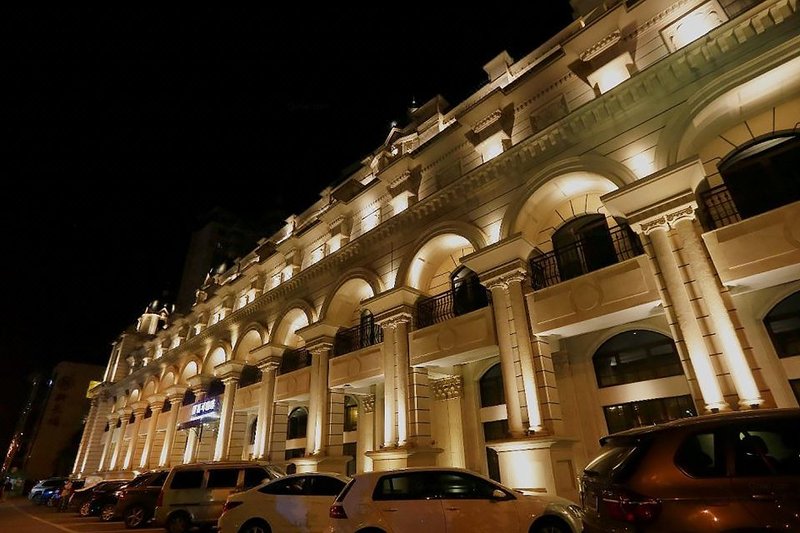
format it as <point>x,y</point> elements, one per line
<point>570,251</point>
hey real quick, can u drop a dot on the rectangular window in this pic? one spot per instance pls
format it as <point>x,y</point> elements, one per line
<point>223,478</point>
<point>296,452</point>
<point>648,412</point>
<point>495,430</point>
<point>350,449</point>
<point>187,479</point>
<point>255,476</point>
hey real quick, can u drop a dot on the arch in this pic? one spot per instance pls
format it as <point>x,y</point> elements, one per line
<point>647,355</point>
<point>150,387</point>
<point>351,288</point>
<point>216,356</point>
<point>490,385</point>
<point>783,325</point>
<point>298,314</point>
<point>133,396</point>
<point>556,184</point>
<point>297,424</point>
<point>190,368</point>
<point>168,378</point>
<point>728,100</point>
<point>436,246</point>
<point>253,338</point>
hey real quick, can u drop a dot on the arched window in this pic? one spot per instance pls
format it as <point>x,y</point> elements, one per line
<point>582,245</point>
<point>491,385</point>
<point>215,388</point>
<point>468,293</point>
<point>635,356</point>
<point>252,432</point>
<point>298,419</point>
<point>783,324</point>
<point>764,174</point>
<point>350,414</point>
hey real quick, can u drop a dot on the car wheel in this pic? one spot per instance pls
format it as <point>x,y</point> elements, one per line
<point>135,516</point>
<point>107,512</point>
<point>178,523</point>
<point>551,525</point>
<point>255,526</point>
<point>85,509</point>
<point>50,502</point>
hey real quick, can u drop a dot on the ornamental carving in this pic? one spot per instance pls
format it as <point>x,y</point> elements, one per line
<point>448,388</point>
<point>368,402</point>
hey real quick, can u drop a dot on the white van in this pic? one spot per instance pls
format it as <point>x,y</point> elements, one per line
<point>193,494</point>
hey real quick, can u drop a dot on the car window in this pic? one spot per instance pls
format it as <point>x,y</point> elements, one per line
<point>614,456</point>
<point>408,486</point>
<point>223,478</point>
<point>346,489</point>
<point>255,476</point>
<point>325,486</point>
<point>767,450</point>
<point>187,479</point>
<point>457,485</point>
<point>699,456</point>
<point>157,480</point>
<point>292,486</point>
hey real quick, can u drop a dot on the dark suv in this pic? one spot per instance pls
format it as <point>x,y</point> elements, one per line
<point>725,472</point>
<point>136,502</point>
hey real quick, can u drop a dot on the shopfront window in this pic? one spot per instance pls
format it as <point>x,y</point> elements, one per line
<point>635,356</point>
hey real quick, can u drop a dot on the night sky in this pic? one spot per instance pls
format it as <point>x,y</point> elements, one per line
<point>123,127</point>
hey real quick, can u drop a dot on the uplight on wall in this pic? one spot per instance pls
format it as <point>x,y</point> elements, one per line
<point>612,73</point>
<point>693,25</point>
<point>491,149</point>
<point>370,220</point>
<point>400,202</point>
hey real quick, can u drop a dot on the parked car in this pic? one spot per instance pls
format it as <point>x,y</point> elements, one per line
<point>55,497</point>
<point>44,489</point>
<point>193,494</point>
<point>102,500</point>
<point>299,502</point>
<point>733,471</point>
<point>437,500</point>
<point>82,495</point>
<point>136,502</point>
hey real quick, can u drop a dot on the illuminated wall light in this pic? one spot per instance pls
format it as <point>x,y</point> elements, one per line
<point>694,25</point>
<point>334,243</point>
<point>400,202</point>
<point>492,149</point>
<point>318,254</point>
<point>276,280</point>
<point>371,220</point>
<point>612,73</point>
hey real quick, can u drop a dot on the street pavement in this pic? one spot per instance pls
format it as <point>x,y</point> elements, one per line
<point>18,515</point>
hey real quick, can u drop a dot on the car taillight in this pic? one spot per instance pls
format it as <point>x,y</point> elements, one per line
<point>337,511</point>
<point>228,505</point>
<point>160,499</point>
<point>630,508</point>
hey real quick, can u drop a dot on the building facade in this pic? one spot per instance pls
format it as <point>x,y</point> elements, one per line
<point>606,235</point>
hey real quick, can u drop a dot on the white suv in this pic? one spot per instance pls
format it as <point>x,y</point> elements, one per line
<point>439,500</point>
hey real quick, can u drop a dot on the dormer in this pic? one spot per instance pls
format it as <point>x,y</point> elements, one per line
<point>490,123</point>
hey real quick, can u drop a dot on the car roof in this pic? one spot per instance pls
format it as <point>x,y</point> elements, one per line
<point>336,475</point>
<point>706,420</point>
<point>220,464</point>
<point>417,469</point>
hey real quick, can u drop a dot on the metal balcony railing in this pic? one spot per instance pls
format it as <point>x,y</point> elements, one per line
<point>584,256</point>
<point>455,302</point>
<point>358,337</point>
<point>719,210</point>
<point>294,360</point>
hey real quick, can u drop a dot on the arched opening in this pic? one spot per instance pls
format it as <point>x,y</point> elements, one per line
<point>285,333</point>
<point>633,357</point>
<point>468,293</point>
<point>252,339</point>
<point>582,245</point>
<point>188,397</point>
<point>757,177</point>
<point>296,427</point>
<point>214,359</point>
<point>215,388</point>
<point>250,376</point>
<point>365,334</point>
<point>493,415</point>
<point>491,387</point>
<point>783,325</point>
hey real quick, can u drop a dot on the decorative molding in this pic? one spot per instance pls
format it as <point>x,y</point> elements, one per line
<point>368,401</point>
<point>601,46</point>
<point>448,388</point>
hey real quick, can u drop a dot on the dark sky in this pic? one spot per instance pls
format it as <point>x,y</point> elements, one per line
<point>123,127</point>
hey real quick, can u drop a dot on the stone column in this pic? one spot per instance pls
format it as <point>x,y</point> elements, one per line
<point>401,368</point>
<point>124,415</point>
<point>156,402</point>
<point>500,306</point>
<point>139,409</point>
<point>419,409</point>
<point>707,280</point>
<point>175,397</point>
<point>317,438</point>
<point>366,428</point>
<point>86,438</point>
<point>684,319</point>
<point>199,386</point>
<point>112,426</point>
<point>448,392</point>
<point>268,368</point>
<point>229,374</point>
<point>389,384</point>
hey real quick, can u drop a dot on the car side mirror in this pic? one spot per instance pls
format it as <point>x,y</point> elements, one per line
<point>498,494</point>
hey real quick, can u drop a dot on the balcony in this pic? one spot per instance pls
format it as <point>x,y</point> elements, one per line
<point>455,302</point>
<point>719,209</point>
<point>356,338</point>
<point>584,256</point>
<point>294,360</point>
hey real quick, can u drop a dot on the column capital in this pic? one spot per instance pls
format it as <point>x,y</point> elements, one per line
<point>269,363</point>
<point>125,413</point>
<point>368,401</point>
<point>448,388</point>
<point>175,394</point>
<point>156,400</point>
<point>318,331</point>
<point>395,319</point>
<point>266,351</point>
<point>666,220</point>
<point>504,275</point>
<point>139,408</point>
<point>112,418</point>
<point>229,371</point>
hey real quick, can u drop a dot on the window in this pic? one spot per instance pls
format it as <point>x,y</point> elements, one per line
<point>188,398</point>
<point>298,419</point>
<point>350,449</point>
<point>783,325</point>
<point>495,430</point>
<point>767,450</point>
<point>250,376</point>
<point>491,385</point>
<point>699,456</point>
<point>167,407</point>
<point>648,412</point>
<point>284,487</point>
<point>493,463</point>
<point>468,293</point>
<point>412,486</point>
<point>215,388</point>
<point>294,452</point>
<point>187,479</point>
<point>222,478</point>
<point>582,245</point>
<point>148,412</point>
<point>325,486</point>
<point>350,414</point>
<point>455,485</point>
<point>255,476</point>
<point>157,480</point>
<point>636,356</point>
